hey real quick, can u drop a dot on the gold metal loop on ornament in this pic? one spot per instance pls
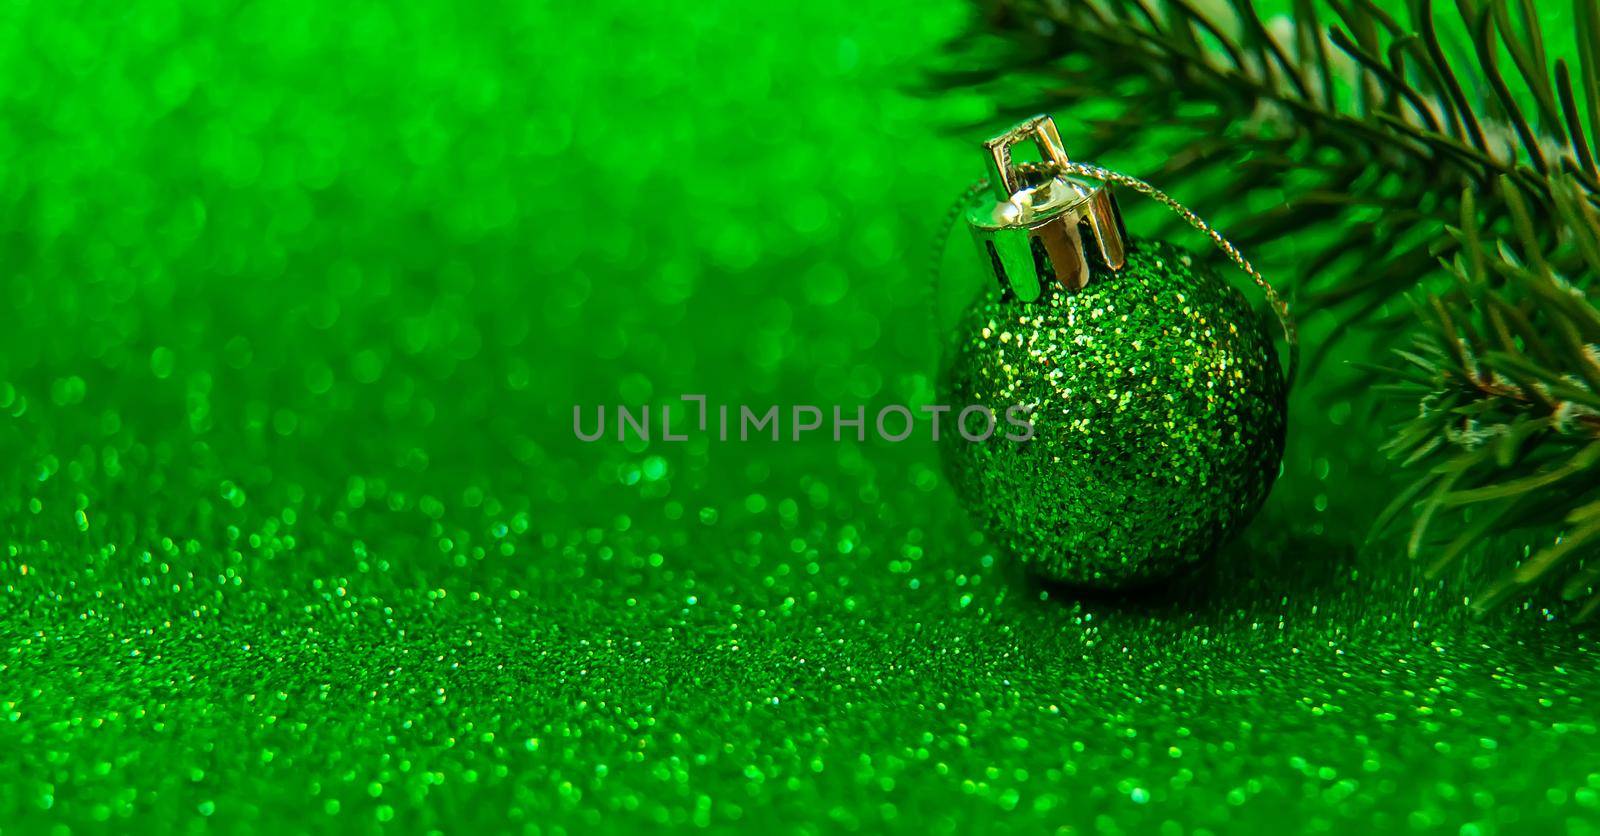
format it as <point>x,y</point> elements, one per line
<point>1035,230</point>
<point>1002,174</point>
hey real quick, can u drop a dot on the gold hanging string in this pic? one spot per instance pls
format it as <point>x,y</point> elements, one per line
<point>1274,300</point>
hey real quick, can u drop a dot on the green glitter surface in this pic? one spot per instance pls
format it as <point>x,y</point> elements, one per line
<point>297,301</point>
<point>1157,410</point>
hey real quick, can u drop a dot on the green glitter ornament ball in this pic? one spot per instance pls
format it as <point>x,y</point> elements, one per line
<point>1158,411</point>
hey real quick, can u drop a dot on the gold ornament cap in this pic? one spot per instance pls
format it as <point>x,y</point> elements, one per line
<point>1034,226</point>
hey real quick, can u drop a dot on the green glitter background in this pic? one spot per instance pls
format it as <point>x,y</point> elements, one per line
<point>297,302</point>
<point>1157,410</point>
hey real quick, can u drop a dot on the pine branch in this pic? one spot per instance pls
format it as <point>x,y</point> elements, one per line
<point>1339,122</point>
<point>1434,154</point>
<point>1508,381</point>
